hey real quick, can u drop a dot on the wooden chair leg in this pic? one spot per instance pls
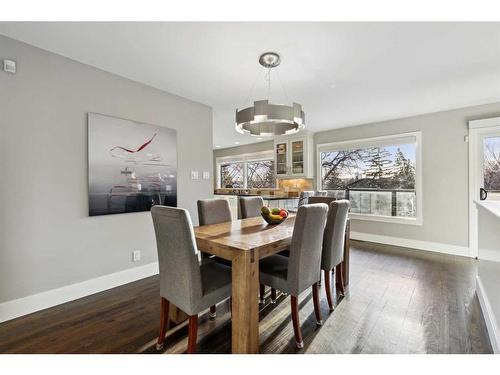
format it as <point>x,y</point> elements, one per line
<point>193,333</point>
<point>317,310</point>
<point>296,324</point>
<point>262,293</point>
<point>328,290</point>
<point>213,312</point>
<point>273,295</point>
<point>163,323</point>
<point>340,279</point>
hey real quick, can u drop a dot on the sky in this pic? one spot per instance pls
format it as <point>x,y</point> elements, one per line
<point>408,150</point>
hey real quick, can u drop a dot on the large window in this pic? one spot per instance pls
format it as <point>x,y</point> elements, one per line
<point>250,171</point>
<point>378,176</point>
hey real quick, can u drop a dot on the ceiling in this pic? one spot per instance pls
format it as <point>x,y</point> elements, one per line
<point>342,73</point>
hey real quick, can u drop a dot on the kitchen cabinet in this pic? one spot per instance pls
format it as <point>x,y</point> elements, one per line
<point>294,156</point>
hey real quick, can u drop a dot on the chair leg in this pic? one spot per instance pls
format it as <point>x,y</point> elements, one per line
<point>328,290</point>
<point>317,310</point>
<point>273,295</point>
<point>262,293</point>
<point>193,332</point>
<point>163,323</point>
<point>213,312</point>
<point>340,279</point>
<point>296,323</point>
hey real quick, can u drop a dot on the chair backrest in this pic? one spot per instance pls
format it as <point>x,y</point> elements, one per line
<point>213,211</point>
<point>304,197</point>
<point>321,193</point>
<point>305,249</point>
<point>250,206</point>
<point>334,236</point>
<point>321,199</point>
<point>180,276</point>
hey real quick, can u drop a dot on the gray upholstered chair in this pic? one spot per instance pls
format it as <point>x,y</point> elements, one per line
<point>250,206</point>
<point>214,211</point>
<point>320,199</point>
<point>301,270</point>
<point>184,281</point>
<point>304,197</point>
<point>333,244</point>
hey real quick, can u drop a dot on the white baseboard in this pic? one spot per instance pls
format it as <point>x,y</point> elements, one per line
<point>489,317</point>
<point>413,244</point>
<point>27,305</point>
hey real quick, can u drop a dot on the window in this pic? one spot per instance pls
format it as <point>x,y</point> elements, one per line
<point>249,171</point>
<point>260,174</point>
<point>231,175</point>
<point>491,167</point>
<point>379,176</point>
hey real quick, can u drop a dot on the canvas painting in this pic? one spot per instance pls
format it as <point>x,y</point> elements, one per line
<point>132,166</point>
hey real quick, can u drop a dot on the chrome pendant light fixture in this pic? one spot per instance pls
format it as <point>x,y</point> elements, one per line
<point>266,119</point>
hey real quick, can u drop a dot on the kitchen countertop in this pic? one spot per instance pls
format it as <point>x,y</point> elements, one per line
<point>491,206</point>
<point>265,197</point>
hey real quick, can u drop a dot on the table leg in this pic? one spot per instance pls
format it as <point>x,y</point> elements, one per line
<point>245,315</point>
<point>345,262</point>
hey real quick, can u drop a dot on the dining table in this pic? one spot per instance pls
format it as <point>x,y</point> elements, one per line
<point>244,242</point>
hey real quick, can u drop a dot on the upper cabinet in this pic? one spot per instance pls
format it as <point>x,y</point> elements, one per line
<point>293,156</point>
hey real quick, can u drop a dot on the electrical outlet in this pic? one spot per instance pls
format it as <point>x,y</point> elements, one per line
<point>194,175</point>
<point>136,255</point>
<point>206,175</point>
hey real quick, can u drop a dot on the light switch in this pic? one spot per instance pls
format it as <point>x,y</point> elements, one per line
<point>9,66</point>
<point>194,175</point>
<point>206,175</point>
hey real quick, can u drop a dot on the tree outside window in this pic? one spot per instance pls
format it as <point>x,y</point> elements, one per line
<point>376,180</point>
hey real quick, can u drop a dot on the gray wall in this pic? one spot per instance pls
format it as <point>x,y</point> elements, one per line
<point>47,239</point>
<point>444,173</point>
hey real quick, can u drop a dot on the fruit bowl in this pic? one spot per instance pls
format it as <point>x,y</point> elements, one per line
<point>274,216</point>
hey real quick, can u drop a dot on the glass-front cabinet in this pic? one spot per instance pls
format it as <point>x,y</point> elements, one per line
<point>293,156</point>
<point>281,154</point>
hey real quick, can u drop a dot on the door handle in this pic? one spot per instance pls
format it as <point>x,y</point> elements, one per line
<point>483,194</point>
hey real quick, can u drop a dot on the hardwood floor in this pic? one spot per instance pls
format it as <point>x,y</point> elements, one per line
<point>399,301</point>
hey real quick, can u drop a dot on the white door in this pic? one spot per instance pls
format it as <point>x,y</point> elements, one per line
<point>484,169</point>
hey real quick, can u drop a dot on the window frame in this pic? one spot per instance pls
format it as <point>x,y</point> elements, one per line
<point>382,140</point>
<point>244,158</point>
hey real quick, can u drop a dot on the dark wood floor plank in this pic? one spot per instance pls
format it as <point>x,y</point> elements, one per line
<point>399,301</point>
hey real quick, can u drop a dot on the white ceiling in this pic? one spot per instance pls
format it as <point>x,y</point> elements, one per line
<point>343,74</point>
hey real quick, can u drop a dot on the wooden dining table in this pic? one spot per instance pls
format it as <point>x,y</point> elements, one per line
<point>244,242</point>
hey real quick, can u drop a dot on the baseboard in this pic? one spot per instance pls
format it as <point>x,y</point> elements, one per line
<point>27,305</point>
<point>413,244</point>
<point>489,317</point>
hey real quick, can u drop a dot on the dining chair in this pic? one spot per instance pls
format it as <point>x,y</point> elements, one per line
<point>186,282</point>
<point>250,206</point>
<point>333,245</point>
<point>304,197</point>
<point>214,211</point>
<point>320,199</point>
<point>301,270</point>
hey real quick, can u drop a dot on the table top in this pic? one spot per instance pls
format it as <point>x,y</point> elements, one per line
<point>226,240</point>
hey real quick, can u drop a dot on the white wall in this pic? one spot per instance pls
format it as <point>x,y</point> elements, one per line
<point>47,239</point>
<point>488,271</point>
<point>444,174</point>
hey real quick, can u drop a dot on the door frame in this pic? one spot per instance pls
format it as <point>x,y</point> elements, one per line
<point>477,129</point>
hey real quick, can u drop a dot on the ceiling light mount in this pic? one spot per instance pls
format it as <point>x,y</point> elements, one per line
<point>269,60</point>
<point>264,119</point>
